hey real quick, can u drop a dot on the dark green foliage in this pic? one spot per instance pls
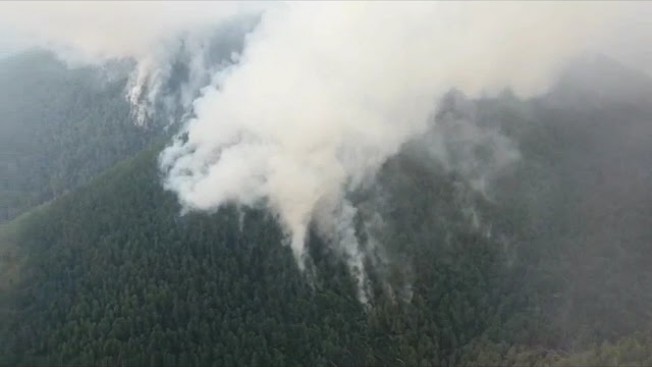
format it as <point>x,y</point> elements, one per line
<point>115,275</point>
<point>59,128</point>
<point>550,267</point>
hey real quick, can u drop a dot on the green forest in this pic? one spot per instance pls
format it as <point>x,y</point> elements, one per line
<point>99,266</point>
<point>60,127</point>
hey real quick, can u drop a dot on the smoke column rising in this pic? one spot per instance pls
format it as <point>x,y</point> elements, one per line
<point>323,93</point>
<point>150,33</point>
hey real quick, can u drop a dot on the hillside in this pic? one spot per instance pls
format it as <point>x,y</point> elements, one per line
<point>59,127</point>
<point>113,274</point>
<point>547,264</point>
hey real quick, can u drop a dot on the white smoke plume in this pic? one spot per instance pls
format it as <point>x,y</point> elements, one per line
<point>325,92</point>
<point>153,34</point>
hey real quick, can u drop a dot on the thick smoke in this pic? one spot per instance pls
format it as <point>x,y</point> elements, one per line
<point>457,139</point>
<point>156,35</point>
<point>323,93</point>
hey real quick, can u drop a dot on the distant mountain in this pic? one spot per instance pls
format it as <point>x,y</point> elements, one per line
<point>59,127</point>
<point>594,80</point>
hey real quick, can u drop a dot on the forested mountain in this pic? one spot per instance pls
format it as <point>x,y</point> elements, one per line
<point>59,127</point>
<point>545,264</point>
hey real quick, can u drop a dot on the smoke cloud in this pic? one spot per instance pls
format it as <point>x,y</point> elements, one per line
<point>323,93</point>
<point>153,34</point>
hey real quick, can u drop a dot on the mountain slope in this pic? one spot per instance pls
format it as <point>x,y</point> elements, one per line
<point>112,274</point>
<point>546,265</point>
<point>59,127</point>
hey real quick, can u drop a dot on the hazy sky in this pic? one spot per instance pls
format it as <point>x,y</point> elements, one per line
<point>11,41</point>
<point>107,28</point>
<point>118,28</point>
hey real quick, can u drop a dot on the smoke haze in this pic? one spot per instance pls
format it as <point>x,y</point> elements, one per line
<point>323,93</point>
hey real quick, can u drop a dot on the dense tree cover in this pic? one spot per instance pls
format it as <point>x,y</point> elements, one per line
<point>547,266</point>
<point>59,127</point>
<point>577,210</point>
<point>115,275</point>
